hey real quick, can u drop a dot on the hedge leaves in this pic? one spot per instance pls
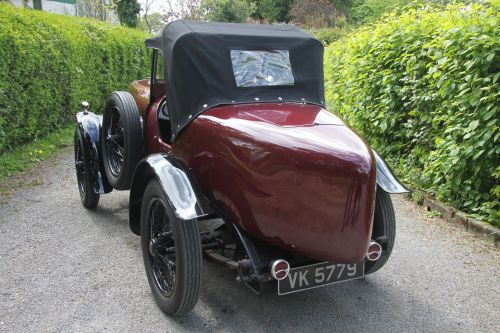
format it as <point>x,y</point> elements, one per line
<point>423,89</point>
<point>50,63</point>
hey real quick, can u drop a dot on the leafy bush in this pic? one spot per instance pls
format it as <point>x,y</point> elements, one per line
<point>423,88</point>
<point>328,35</point>
<point>369,11</point>
<point>50,63</point>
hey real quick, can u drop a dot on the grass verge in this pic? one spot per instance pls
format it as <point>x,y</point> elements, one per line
<point>27,156</point>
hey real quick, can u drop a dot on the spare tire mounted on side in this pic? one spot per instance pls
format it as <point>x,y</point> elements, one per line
<point>122,139</point>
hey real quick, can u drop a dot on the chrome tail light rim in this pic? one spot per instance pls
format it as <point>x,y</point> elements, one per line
<point>280,273</point>
<point>374,251</point>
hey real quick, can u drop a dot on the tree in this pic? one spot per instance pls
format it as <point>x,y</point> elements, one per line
<point>226,10</point>
<point>344,7</point>
<point>182,9</point>
<point>128,12</point>
<point>155,23</point>
<point>272,10</point>
<point>96,9</point>
<point>146,8</point>
<point>315,13</point>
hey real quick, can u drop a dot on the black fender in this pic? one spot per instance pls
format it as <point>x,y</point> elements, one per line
<point>385,177</point>
<point>89,125</point>
<point>177,184</point>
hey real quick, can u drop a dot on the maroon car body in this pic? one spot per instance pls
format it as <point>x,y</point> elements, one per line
<point>238,131</point>
<point>291,174</point>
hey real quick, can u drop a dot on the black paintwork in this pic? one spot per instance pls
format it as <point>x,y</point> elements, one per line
<point>89,125</point>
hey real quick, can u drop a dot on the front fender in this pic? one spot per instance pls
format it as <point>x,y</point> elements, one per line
<point>177,185</point>
<point>386,179</point>
<point>89,125</point>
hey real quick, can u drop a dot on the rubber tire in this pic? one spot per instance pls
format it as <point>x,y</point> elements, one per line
<point>384,224</point>
<point>89,199</point>
<point>188,257</point>
<point>133,138</point>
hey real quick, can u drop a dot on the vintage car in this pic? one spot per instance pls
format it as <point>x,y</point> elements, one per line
<point>229,155</point>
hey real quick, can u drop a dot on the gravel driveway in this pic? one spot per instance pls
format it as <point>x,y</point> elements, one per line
<point>67,269</point>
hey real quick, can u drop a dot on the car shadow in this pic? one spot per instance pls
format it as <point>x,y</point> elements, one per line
<point>227,305</point>
<point>111,213</point>
<point>353,306</point>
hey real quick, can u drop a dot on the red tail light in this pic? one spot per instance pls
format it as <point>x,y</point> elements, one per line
<point>280,269</point>
<point>374,251</point>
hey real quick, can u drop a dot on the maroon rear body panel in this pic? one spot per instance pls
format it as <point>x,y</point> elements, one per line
<point>291,174</point>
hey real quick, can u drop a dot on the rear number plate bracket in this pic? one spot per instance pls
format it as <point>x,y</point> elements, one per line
<point>318,275</point>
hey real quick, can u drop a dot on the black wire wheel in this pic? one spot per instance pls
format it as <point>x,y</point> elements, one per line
<point>115,145</point>
<point>89,198</point>
<point>384,229</point>
<point>171,250</point>
<point>122,139</point>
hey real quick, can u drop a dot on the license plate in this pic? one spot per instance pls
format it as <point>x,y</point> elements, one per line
<point>318,275</point>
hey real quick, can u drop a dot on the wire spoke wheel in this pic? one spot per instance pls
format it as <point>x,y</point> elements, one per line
<point>84,176</point>
<point>162,247</point>
<point>122,139</point>
<point>115,143</point>
<point>80,167</point>
<point>171,249</point>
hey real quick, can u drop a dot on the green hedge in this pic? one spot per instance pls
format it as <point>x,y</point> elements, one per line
<point>328,35</point>
<point>50,63</point>
<point>423,89</point>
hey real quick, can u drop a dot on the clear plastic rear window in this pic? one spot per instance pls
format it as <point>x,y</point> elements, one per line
<point>262,68</point>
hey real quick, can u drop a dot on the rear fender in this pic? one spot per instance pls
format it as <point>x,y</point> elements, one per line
<point>177,185</point>
<point>89,125</point>
<point>386,179</point>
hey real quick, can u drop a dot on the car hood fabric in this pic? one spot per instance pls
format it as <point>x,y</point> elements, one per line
<point>199,72</point>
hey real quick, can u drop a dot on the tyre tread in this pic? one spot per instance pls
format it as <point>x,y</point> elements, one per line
<point>193,274</point>
<point>134,142</point>
<point>188,248</point>
<point>91,199</point>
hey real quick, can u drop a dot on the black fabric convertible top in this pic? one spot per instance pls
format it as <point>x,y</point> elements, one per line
<point>199,67</point>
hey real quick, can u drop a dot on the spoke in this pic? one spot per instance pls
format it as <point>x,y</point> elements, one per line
<point>120,152</point>
<point>162,247</point>
<point>167,260</point>
<point>116,145</point>
<point>159,247</point>
<point>115,142</point>
<point>170,250</point>
<point>165,238</point>
<point>115,137</point>
<point>116,153</point>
